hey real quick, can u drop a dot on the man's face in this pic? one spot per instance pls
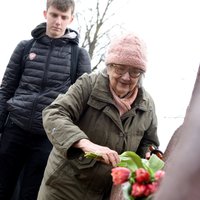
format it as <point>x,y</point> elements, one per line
<point>57,21</point>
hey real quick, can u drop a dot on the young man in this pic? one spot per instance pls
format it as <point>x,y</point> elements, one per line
<point>28,86</point>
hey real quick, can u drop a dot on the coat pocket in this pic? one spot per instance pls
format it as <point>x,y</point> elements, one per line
<point>87,174</point>
<point>70,168</point>
<point>56,175</point>
<point>83,163</point>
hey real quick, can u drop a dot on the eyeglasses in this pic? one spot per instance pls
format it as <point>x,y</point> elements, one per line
<point>122,69</point>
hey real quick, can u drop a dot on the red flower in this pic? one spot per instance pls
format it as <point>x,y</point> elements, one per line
<point>141,175</point>
<point>120,175</point>
<point>150,188</point>
<point>159,175</point>
<point>138,190</point>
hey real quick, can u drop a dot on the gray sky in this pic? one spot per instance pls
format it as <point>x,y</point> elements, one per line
<point>169,27</point>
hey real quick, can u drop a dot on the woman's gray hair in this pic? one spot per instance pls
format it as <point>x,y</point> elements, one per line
<point>140,81</point>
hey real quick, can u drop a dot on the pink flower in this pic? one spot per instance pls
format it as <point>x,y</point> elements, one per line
<point>150,188</point>
<point>138,190</point>
<point>120,175</point>
<point>159,175</point>
<point>141,175</point>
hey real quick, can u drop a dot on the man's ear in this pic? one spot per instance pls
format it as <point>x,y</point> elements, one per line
<point>45,14</point>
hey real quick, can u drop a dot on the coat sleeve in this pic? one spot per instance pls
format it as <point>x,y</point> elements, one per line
<point>59,118</point>
<point>84,63</point>
<point>10,80</point>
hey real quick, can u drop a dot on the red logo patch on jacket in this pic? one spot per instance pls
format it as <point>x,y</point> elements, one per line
<point>32,56</point>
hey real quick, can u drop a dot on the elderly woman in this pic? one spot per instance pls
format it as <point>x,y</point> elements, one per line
<point>106,113</point>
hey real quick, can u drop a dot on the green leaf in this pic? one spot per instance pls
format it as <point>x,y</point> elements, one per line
<point>92,155</point>
<point>130,160</point>
<point>126,189</point>
<point>147,167</point>
<point>155,163</point>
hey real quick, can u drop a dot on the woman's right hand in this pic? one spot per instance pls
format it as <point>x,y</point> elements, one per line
<point>108,155</point>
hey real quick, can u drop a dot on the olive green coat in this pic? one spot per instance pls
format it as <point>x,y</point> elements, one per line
<point>87,110</point>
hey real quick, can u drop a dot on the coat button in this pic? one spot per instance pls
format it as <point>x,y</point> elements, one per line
<point>80,158</point>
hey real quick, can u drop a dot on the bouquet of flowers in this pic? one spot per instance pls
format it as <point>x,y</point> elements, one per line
<point>138,177</point>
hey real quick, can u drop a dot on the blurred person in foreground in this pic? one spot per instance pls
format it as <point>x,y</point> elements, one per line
<point>182,179</point>
<point>26,90</point>
<point>106,113</point>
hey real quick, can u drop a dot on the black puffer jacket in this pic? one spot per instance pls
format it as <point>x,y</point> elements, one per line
<point>46,74</point>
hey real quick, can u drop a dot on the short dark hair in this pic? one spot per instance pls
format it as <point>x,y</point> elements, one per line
<point>62,5</point>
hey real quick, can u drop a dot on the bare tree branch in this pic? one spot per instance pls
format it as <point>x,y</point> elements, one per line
<point>95,29</point>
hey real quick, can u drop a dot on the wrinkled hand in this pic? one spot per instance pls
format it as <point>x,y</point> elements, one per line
<point>108,155</point>
<point>156,151</point>
<point>148,155</point>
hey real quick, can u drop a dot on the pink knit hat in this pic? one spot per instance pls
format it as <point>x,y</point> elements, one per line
<point>127,50</point>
